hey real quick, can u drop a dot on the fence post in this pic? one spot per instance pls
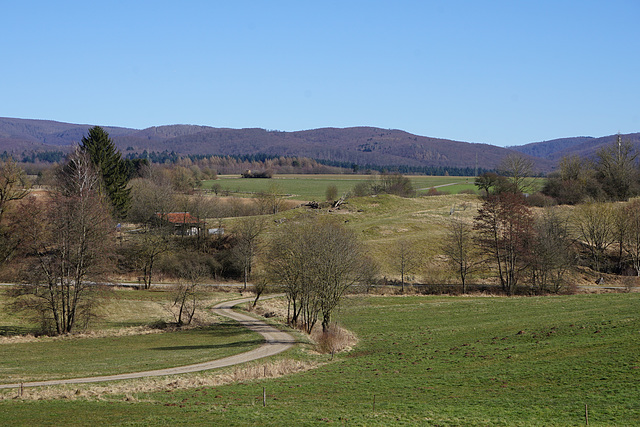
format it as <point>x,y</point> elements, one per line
<point>586,413</point>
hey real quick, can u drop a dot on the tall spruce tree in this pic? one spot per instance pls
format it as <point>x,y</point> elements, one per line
<point>107,159</point>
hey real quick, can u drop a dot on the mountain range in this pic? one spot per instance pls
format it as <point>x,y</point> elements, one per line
<point>359,145</point>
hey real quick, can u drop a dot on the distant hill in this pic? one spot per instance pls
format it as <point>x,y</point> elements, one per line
<point>582,146</point>
<point>546,149</point>
<point>360,145</point>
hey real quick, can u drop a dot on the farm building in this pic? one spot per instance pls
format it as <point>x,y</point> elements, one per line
<point>184,224</point>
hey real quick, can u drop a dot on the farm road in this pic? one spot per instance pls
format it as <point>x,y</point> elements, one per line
<point>276,341</point>
<point>437,186</point>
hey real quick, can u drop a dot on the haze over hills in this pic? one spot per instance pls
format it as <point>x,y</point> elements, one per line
<point>359,145</point>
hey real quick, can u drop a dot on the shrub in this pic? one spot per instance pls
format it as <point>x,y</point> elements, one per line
<point>541,200</point>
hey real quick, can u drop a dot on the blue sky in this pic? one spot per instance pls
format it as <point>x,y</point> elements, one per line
<point>499,72</point>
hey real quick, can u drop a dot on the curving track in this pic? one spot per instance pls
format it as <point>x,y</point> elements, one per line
<point>276,341</point>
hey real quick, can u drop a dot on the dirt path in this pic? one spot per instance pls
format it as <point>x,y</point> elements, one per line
<point>276,342</point>
<point>438,186</point>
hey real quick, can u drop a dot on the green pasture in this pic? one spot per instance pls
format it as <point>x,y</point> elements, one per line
<point>313,187</point>
<point>446,361</point>
<point>49,359</point>
<point>118,352</point>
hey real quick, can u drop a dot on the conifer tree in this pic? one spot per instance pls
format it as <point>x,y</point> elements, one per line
<point>107,159</point>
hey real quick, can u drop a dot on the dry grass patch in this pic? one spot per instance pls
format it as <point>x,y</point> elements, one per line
<point>120,332</point>
<point>129,388</point>
<point>271,308</point>
<point>334,340</point>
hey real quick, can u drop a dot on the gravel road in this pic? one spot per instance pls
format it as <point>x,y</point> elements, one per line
<point>276,342</point>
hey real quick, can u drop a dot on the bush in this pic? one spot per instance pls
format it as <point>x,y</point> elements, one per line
<point>331,193</point>
<point>541,200</point>
<point>361,189</point>
<point>335,339</point>
<point>434,192</point>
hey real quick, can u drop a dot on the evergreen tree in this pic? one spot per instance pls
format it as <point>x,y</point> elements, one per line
<point>107,159</point>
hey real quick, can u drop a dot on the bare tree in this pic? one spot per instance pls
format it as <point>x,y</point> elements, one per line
<point>247,233</point>
<point>271,200</point>
<point>632,236</point>
<point>186,294</point>
<point>518,170</point>
<point>620,230</point>
<point>487,181</point>
<point>260,286</point>
<point>150,197</point>
<point>149,245</point>
<point>13,184</point>
<point>460,249</point>
<point>315,261</point>
<point>340,263</point>
<point>285,265</point>
<point>552,254</point>
<point>13,187</point>
<point>68,246</point>
<point>617,169</point>
<point>406,258</point>
<point>594,226</point>
<point>504,225</point>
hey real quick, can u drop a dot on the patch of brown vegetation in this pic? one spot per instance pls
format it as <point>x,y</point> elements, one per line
<point>334,340</point>
<point>272,308</point>
<point>129,388</point>
<point>136,330</point>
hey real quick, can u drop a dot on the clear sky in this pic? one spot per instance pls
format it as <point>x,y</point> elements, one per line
<point>500,72</point>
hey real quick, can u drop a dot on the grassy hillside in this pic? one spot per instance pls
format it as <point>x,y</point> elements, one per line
<point>425,361</point>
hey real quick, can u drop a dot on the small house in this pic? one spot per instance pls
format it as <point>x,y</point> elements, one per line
<point>184,224</point>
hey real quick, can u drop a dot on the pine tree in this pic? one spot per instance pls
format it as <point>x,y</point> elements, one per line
<point>107,159</point>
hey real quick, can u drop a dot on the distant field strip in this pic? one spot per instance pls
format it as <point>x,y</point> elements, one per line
<point>313,187</point>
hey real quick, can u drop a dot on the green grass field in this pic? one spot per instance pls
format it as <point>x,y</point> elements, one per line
<point>120,351</point>
<point>49,359</point>
<point>313,187</point>
<point>426,361</point>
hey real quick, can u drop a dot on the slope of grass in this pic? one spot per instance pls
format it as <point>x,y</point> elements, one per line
<point>426,361</point>
<point>385,220</point>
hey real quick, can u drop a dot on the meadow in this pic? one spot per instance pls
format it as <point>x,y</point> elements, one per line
<point>420,360</point>
<point>120,340</point>
<point>313,187</point>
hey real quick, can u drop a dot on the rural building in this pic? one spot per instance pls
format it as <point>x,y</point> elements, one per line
<point>184,224</point>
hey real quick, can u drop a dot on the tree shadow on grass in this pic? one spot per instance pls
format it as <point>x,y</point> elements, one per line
<point>211,346</point>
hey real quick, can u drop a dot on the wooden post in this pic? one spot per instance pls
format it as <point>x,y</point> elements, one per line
<point>586,413</point>
<point>265,371</point>
<point>264,396</point>
<point>21,389</point>
<point>374,403</point>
